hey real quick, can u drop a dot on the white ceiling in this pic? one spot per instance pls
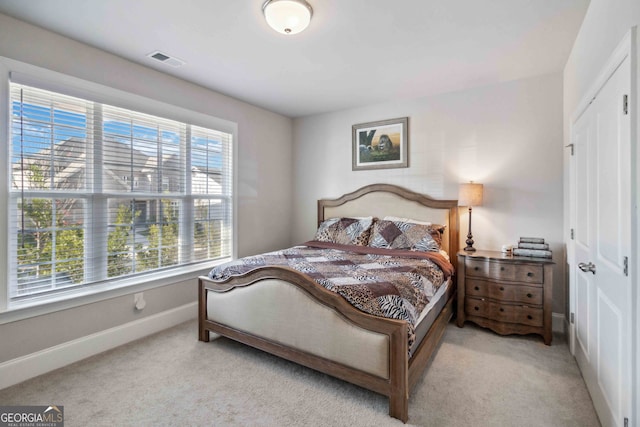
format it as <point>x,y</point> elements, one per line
<point>354,53</point>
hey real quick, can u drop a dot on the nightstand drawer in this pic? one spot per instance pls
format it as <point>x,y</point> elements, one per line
<point>502,292</point>
<point>526,273</point>
<point>521,314</point>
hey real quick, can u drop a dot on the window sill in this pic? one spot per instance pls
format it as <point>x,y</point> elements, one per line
<point>100,292</point>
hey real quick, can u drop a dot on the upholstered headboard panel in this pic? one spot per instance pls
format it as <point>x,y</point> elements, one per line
<point>380,200</point>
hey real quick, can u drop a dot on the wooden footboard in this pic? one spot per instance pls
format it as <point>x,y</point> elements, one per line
<point>395,381</point>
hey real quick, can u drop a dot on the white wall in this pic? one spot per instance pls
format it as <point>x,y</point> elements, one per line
<point>507,136</point>
<point>264,168</point>
<point>604,26</point>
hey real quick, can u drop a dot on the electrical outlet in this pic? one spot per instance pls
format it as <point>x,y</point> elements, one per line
<point>138,300</point>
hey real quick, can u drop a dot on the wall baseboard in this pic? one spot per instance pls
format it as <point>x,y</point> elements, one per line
<point>23,368</point>
<point>558,323</point>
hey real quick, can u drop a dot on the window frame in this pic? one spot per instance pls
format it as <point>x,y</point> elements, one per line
<point>19,72</point>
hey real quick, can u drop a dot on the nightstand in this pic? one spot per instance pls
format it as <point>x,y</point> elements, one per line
<point>507,294</point>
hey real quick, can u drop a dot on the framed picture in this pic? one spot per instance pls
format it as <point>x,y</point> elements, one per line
<point>380,145</point>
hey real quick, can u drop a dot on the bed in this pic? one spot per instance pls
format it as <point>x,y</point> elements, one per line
<point>295,318</point>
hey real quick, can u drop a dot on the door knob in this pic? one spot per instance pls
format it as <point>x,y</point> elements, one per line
<point>587,267</point>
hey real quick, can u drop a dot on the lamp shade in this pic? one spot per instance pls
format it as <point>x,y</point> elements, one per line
<point>470,194</point>
<point>287,16</point>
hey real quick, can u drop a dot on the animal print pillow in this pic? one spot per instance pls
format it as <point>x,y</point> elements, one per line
<point>406,235</point>
<point>345,231</point>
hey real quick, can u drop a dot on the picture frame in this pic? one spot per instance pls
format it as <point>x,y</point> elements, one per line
<point>380,145</point>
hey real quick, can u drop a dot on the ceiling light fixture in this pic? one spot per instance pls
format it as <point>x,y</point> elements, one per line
<point>287,16</point>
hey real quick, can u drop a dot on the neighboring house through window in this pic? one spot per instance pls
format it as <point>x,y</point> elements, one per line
<point>100,192</point>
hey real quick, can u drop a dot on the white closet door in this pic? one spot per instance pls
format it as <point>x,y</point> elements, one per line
<point>600,285</point>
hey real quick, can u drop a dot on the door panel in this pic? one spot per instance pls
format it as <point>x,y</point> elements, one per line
<point>601,214</point>
<point>582,133</point>
<point>582,314</point>
<point>609,351</point>
<point>610,188</point>
<point>584,164</point>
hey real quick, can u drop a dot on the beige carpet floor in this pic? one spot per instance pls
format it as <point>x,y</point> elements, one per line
<point>477,378</point>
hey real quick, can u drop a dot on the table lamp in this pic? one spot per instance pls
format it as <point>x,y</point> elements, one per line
<point>470,195</point>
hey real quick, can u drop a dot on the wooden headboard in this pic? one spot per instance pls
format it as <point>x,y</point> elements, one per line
<point>380,200</point>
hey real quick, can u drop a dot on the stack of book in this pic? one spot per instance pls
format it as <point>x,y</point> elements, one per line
<point>532,247</point>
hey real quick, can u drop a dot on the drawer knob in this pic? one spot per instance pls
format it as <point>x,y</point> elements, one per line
<point>476,268</point>
<point>501,309</point>
<point>529,274</point>
<point>529,295</point>
<point>501,268</point>
<point>476,288</point>
<point>502,288</point>
<point>476,308</point>
<point>529,317</point>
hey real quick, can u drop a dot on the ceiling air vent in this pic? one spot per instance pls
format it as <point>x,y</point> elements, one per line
<point>166,59</point>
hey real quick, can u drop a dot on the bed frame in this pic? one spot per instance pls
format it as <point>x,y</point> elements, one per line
<point>375,353</point>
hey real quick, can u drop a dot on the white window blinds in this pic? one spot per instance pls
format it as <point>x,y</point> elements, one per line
<point>100,192</point>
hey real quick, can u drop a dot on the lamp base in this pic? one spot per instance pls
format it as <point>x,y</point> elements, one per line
<point>469,243</point>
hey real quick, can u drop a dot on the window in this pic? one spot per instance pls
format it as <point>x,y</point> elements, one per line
<point>99,192</point>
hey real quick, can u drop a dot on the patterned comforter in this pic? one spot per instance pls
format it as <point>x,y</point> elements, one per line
<point>383,282</point>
